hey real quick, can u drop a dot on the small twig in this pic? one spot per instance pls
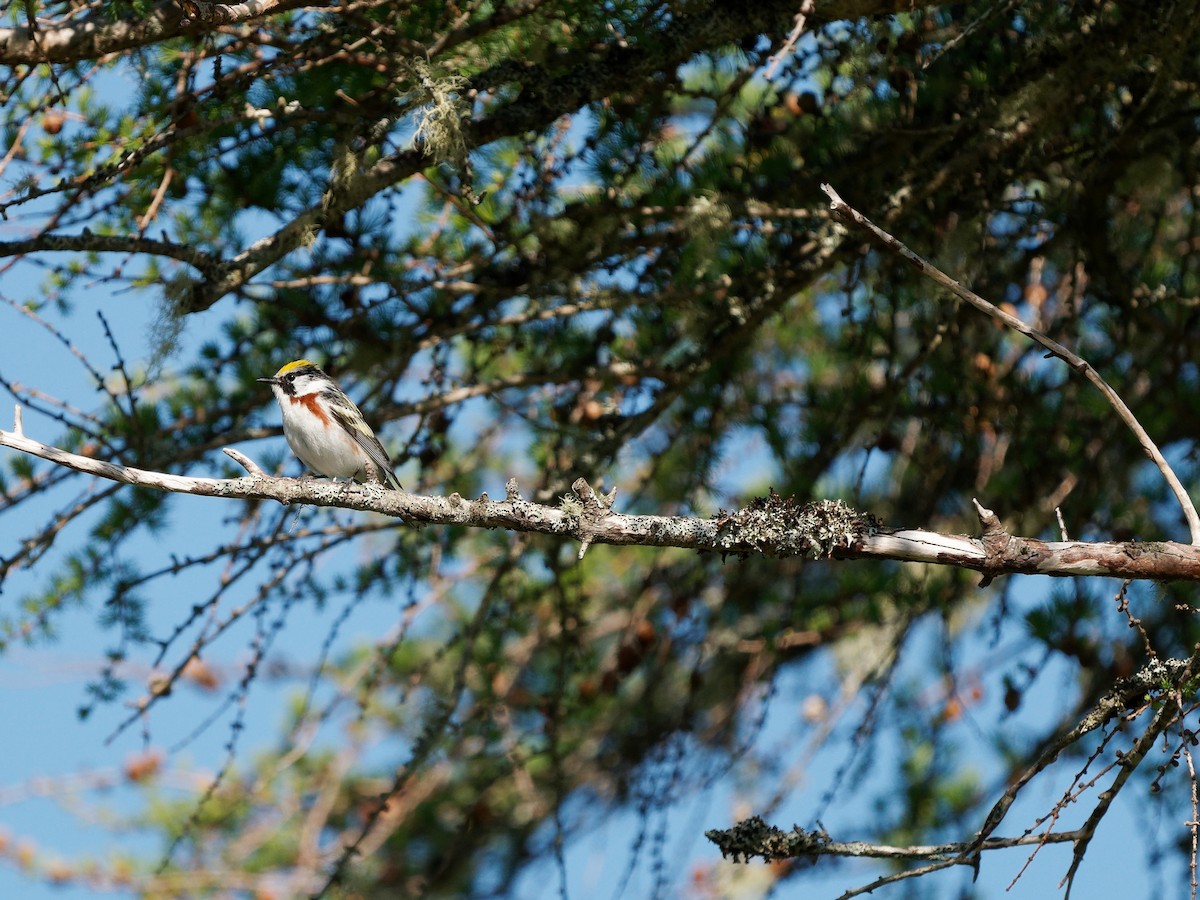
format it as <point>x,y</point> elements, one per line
<point>1062,526</point>
<point>968,30</point>
<point>15,146</point>
<point>1129,763</point>
<point>805,11</point>
<point>245,462</point>
<point>156,202</point>
<point>18,425</point>
<point>130,394</point>
<point>1076,362</point>
<point>1194,824</point>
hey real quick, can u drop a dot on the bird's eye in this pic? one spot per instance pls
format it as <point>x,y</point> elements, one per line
<point>289,378</point>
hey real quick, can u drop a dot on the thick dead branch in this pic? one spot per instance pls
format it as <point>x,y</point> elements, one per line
<point>229,13</point>
<point>771,526</point>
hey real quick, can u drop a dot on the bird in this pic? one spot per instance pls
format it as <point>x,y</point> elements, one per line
<point>325,429</point>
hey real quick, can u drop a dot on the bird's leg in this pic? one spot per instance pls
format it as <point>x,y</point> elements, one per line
<point>372,473</point>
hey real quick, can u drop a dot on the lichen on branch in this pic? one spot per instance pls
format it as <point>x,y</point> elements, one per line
<point>755,837</point>
<point>781,527</point>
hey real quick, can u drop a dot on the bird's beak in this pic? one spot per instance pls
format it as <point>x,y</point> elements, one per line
<point>271,380</point>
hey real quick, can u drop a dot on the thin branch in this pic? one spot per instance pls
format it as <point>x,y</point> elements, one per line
<point>969,29</point>
<point>1126,695</point>
<point>15,147</point>
<point>892,878</point>
<point>755,838</point>
<point>806,10</point>
<point>1194,824</point>
<point>1163,718</point>
<point>357,188</point>
<point>156,202</point>
<point>1076,362</point>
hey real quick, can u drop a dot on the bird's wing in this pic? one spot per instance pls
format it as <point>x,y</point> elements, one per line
<point>366,439</point>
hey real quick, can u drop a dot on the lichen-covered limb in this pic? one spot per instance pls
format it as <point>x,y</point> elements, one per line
<point>753,837</point>
<point>771,526</point>
<point>1157,684</point>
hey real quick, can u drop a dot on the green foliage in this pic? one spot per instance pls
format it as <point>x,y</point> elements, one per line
<point>569,239</point>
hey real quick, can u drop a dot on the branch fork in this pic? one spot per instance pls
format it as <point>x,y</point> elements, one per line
<point>590,509</point>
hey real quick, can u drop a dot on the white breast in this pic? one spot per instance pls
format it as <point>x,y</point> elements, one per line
<point>327,450</point>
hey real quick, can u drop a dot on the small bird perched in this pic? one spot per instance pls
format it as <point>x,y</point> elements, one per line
<point>325,429</point>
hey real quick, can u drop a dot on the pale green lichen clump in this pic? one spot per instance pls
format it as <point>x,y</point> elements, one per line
<point>776,526</point>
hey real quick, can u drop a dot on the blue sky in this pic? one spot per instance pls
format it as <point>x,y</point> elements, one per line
<point>48,749</point>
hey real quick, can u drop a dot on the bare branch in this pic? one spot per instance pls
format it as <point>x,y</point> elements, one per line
<point>755,838</point>
<point>772,526</point>
<point>1076,362</point>
<point>1126,695</point>
<point>806,10</point>
<point>352,192</point>
<point>245,462</point>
